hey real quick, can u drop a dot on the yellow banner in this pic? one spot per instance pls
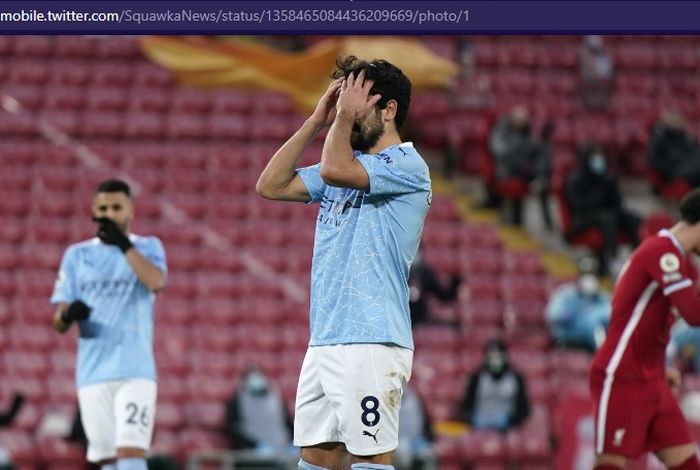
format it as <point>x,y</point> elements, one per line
<point>202,61</point>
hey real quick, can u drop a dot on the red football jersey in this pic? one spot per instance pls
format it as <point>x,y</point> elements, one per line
<point>655,286</point>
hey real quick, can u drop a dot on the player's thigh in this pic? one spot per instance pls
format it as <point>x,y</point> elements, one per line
<point>623,415</point>
<point>134,410</point>
<point>96,404</point>
<point>364,383</point>
<point>669,435</point>
<point>315,422</point>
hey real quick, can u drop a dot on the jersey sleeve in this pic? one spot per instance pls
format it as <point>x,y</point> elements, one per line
<point>154,252</point>
<point>311,176</point>
<point>393,174</point>
<point>65,287</point>
<point>676,278</point>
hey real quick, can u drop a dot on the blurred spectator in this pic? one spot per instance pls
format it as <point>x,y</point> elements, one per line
<point>684,347</point>
<point>578,312</point>
<point>6,419</point>
<point>495,396</point>
<point>673,152</point>
<point>597,73</point>
<point>516,154</point>
<point>424,282</point>
<point>257,420</point>
<point>594,200</point>
<point>415,450</point>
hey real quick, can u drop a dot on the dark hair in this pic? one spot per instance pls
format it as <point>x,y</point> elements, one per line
<point>690,207</point>
<point>113,186</point>
<point>495,344</point>
<point>587,149</point>
<point>389,81</point>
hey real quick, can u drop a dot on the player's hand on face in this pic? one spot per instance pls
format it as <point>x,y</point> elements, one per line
<point>323,114</point>
<point>673,377</point>
<point>354,100</point>
<point>109,232</point>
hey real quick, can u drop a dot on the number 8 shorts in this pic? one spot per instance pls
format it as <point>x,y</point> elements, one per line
<point>351,393</point>
<point>117,414</point>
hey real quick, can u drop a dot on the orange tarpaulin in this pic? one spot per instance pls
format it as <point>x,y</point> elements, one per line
<point>208,62</point>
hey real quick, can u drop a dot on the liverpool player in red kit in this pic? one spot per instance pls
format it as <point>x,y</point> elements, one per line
<point>636,411</point>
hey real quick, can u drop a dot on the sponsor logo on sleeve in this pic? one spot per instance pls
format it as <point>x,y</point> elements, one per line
<point>669,263</point>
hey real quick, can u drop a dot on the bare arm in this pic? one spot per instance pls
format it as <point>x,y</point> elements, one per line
<point>339,167</point>
<point>278,180</point>
<point>149,275</point>
<point>58,323</point>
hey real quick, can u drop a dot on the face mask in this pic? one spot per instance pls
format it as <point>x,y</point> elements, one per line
<point>588,284</point>
<point>495,362</point>
<point>597,164</point>
<point>256,383</point>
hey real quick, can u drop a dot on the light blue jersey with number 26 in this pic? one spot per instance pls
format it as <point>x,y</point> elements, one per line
<point>116,341</point>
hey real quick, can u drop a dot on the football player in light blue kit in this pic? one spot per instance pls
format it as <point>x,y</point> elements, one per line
<point>373,192</point>
<point>108,285</point>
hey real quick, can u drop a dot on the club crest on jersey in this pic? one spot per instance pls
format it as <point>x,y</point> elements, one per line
<point>618,436</point>
<point>669,263</point>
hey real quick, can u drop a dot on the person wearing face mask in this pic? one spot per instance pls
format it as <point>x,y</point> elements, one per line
<point>495,396</point>
<point>674,153</point>
<point>594,200</point>
<point>257,420</point>
<point>578,312</point>
<point>518,154</point>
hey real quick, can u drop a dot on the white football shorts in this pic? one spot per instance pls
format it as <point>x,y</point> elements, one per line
<point>117,414</point>
<point>351,393</point>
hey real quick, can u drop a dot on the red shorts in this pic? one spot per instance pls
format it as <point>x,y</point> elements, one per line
<point>632,418</point>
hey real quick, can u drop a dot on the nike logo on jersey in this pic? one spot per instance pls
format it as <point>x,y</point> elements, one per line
<point>373,436</point>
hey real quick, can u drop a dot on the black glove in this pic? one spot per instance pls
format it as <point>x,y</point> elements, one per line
<point>9,416</point>
<point>76,311</point>
<point>110,234</point>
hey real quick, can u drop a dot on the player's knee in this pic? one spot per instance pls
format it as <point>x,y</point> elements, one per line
<point>610,462</point>
<point>691,463</point>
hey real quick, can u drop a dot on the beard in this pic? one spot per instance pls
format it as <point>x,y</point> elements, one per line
<point>366,135</point>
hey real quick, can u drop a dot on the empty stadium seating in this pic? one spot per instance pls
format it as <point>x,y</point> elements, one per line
<point>238,262</point>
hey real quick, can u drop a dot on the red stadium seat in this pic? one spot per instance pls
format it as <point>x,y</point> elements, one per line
<point>186,126</point>
<point>58,453</point>
<point>151,75</point>
<point>102,124</point>
<point>21,447</point>
<point>113,74</point>
<point>151,99</point>
<point>29,96</point>
<point>144,125</point>
<point>484,447</point>
<point>81,47</point>
<point>202,386</point>
<point>25,362</point>
<point>118,48</point>
<point>71,73</point>
<point>170,416</point>
<point>28,72</point>
<point>167,442</point>
<point>107,98</point>
<point>191,100</point>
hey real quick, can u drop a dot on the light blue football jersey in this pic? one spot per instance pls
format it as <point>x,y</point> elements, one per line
<point>116,341</point>
<point>364,245</point>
